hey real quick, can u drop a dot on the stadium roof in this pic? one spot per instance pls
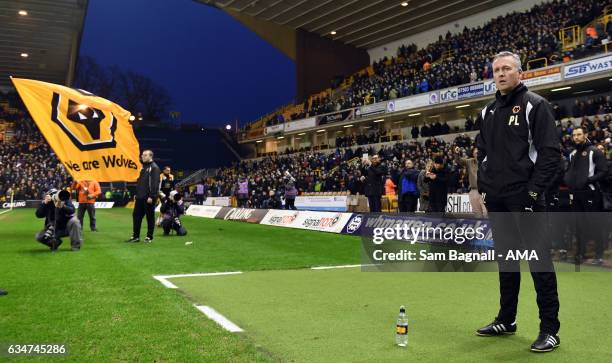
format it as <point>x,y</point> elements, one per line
<point>361,23</point>
<point>42,44</point>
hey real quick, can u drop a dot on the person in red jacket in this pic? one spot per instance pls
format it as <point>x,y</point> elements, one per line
<point>88,191</point>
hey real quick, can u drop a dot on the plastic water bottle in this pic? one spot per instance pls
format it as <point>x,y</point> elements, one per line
<point>401,328</point>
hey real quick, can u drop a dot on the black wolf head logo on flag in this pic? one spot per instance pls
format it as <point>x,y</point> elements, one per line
<point>87,127</point>
<point>85,115</point>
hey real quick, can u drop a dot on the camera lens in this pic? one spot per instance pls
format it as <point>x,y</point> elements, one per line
<point>63,195</point>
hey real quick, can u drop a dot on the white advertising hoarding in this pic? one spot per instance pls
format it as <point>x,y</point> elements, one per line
<point>581,69</point>
<point>316,221</point>
<point>300,124</point>
<point>206,211</point>
<point>325,203</point>
<point>99,205</point>
<point>219,201</point>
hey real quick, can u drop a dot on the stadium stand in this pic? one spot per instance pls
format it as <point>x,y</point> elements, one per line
<point>25,155</point>
<point>338,170</point>
<point>462,58</point>
<point>441,64</point>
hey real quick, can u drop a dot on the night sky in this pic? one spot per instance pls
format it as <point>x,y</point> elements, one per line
<point>215,69</point>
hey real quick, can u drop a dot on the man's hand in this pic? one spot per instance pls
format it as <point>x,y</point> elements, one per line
<point>531,201</point>
<point>91,196</point>
<point>150,200</point>
<point>59,204</point>
<point>47,199</point>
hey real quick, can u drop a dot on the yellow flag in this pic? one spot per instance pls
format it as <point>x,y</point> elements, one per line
<point>92,136</point>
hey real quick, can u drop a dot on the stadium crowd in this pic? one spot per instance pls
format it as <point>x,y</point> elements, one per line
<point>466,57</point>
<point>336,171</point>
<point>25,157</point>
<point>341,168</point>
<point>28,166</point>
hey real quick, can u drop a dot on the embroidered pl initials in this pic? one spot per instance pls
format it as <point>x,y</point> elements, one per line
<point>513,120</point>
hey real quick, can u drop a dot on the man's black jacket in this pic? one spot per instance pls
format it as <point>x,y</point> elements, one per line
<point>518,146</point>
<point>147,185</point>
<point>374,180</point>
<point>587,168</point>
<point>172,208</point>
<point>56,216</point>
<point>438,187</point>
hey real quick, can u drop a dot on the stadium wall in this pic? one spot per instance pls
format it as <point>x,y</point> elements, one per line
<point>422,39</point>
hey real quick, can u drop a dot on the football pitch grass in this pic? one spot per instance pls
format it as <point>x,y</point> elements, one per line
<point>105,305</point>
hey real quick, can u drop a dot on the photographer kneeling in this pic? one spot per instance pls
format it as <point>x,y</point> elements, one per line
<point>171,209</point>
<point>60,221</point>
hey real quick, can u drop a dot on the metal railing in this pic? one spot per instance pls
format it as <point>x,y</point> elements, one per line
<point>196,177</point>
<point>537,60</point>
<point>571,37</point>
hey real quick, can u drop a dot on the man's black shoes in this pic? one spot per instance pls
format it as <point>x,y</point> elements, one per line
<point>54,244</point>
<point>545,343</point>
<point>137,239</point>
<point>496,328</point>
<point>3,292</point>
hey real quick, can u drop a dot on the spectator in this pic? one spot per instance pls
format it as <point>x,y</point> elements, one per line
<point>389,186</point>
<point>471,165</point>
<point>200,192</point>
<point>408,193</point>
<point>290,195</point>
<point>242,192</point>
<point>423,188</point>
<point>88,191</point>
<point>374,172</point>
<point>438,186</point>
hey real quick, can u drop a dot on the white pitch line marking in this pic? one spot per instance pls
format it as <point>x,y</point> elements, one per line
<point>164,278</point>
<point>211,313</point>
<point>341,266</point>
<point>165,282</point>
<point>215,316</point>
<point>202,274</point>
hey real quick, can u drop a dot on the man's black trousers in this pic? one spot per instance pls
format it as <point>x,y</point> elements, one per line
<point>142,209</point>
<point>408,202</point>
<point>511,226</point>
<point>589,224</point>
<point>374,203</point>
